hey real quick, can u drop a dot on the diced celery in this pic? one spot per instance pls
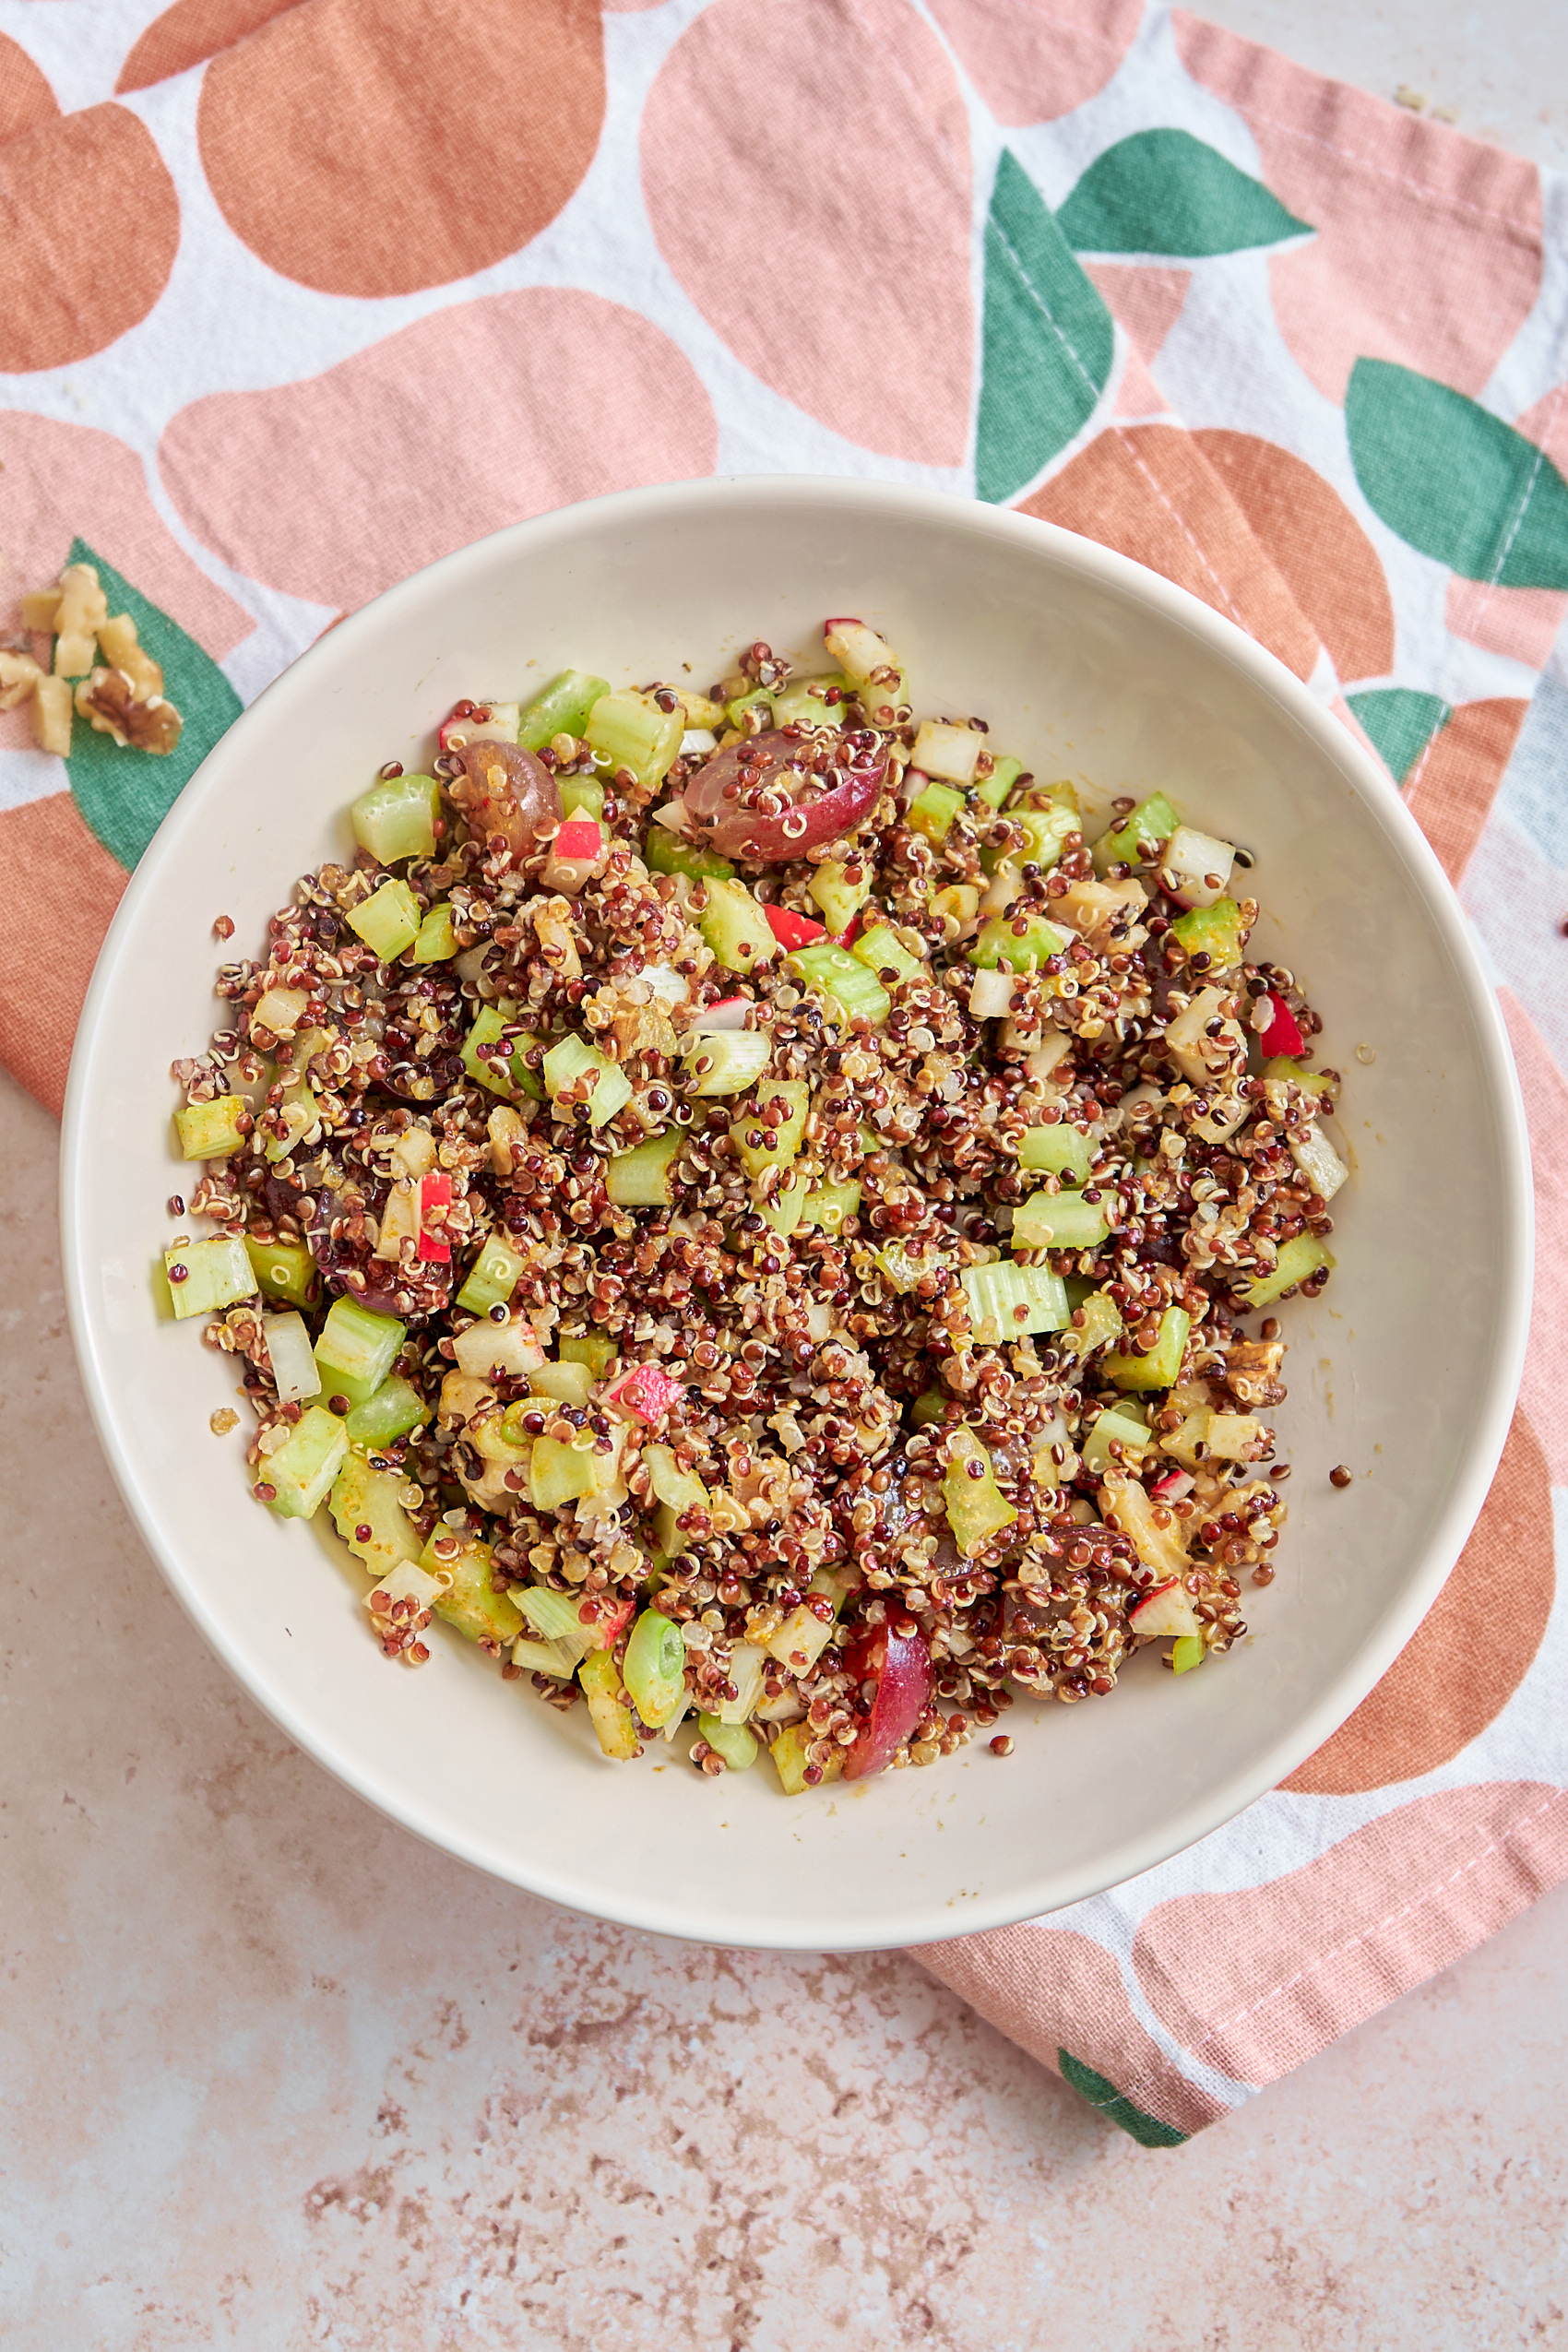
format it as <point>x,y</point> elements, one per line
<point>556,1617</point>
<point>1161,1368</point>
<point>284,1270</point>
<point>368,1515</point>
<point>1186,1652</point>
<point>1299,1258</point>
<point>1011,1302</point>
<point>205,1276</point>
<point>654,1668</point>
<point>583,796</point>
<point>839,898</point>
<point>1001,943</point>
<point>356,1350</point>
<point>799,1641</point>
<point>493,1276</point>
<point>727,1060</point>
<point>295,1373</point>
<point>595,1349</point>
<point>859,997</point>
<point>1059,1221</point>
<point>629,730</point>
<point>665,852</point>
<point>1045,831</point>
<point>645,1177</point>
<point>735,928</point>
<point>731,1740</point>
<point>993,788</point>
<point>609,1705</point>
<point>212,1130</point>
<point>750,1129</point>
<point>437,942</point>
<point>788,1756</point>
<point>1057,1151</point>
<point>480,1614</point>
<point>784,1211</point>
<point>948,753</point>
<point>883,952</point>
<point>300,1115</point>
<point>829,1207</point>
<point>394,1409</point>
<point>930,1405</point>
<point>959,900</point>
<point>802,702</point>
<point>568,1384</point>
<point>934,809</point>
<point>573,1058</point>
<point>389,920</point>
<point>559,1473</point>
<point>739,709</point>
<point>1153,822</point>
<point>504,1074</point>
<point>1215,932</point>
<point>677,1491</point>
<point>562,710</point>
<point>1117,1426</point>
<point>302,1471</point>
<point>1102,1324</point>
<point>396,818</point>
<point>977,1508</point>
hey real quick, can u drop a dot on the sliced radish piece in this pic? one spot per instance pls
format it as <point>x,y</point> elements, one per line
<point>1165,1610</point>
<point>579,851</point>
<point>645,1390</point>
<point>1174,1487</point>
<point>730,1012</point>
<point>1283,1035</point>
<point>435,1193</point>
<point>791,929</point>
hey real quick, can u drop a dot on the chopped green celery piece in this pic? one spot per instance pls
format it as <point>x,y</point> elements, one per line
<point>629,730</point>
<point>609,1705</point>
<point>506,1077</point>
<point>731,1740</point>
<point>749,1128</point>
<point>1280,1067</point>
<point>583,796</point>
<point>929,1406</point>
<point>1154,822</point>
<point>999,942</point>
<point>302,1471</point>
<point>839,898</point>
<point>726,1060</point>
<point>356,1351</point>
<point>977,1508</point>
<point>882,951</point>
<point>829,1207</point>
<point>1118,1423</point>
<point>389,920</point>
<point>212,1130</point>
<point>437,942</point>
<point>665,852</point>
<point>479,1613</point>
<point>1161,1368</point>
<point>734,926</point>
<point>787,1207</point>
<point>993,788</point>
<point>934,809</point>
<point>677,1491</point>
<point>759,699</point>
<point>573,1058</point>
<point>1046,832</point>
<point>1102,1324</point>
<point>368,1515</point>
<point>395,1408</point>
<point>859,995</point>
<point>396,818</point>
<point>215,1274</point>
<point>645,1177</point>
<point>1057,1151</point>
<point>1186,1652</point>
<point>285,1270</point>
<point>1299,1258</point>
<point>1010,1301</point>
<point>1059,1221</point>
<point>789,1755</point>
<point>654,1668</point>
<point>902,1269</point>
<point>559,1473</point>
<point>554,1616</point>
<point>802,703</point>
<point>563,708</point>
<point>301,1114</point>
<point>1215,931</point>
<point>493,1276</point>
<point>595,1349</point>
<point>569,1383</point>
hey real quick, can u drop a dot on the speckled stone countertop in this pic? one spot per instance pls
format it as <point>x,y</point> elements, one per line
<point>275,2075</point>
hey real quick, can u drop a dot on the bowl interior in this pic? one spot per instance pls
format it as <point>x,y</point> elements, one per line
<point>1086,667</point>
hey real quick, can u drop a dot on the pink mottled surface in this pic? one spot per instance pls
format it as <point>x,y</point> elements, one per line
<point>275,2075</point>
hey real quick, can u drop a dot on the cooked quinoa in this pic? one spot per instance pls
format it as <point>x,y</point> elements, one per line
<point>733,1204</point>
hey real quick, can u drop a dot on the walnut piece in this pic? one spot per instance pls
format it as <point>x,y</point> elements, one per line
<point>83,607</point>
<point>20,674</point>
<point>117,643</point>
<point>109,699</point>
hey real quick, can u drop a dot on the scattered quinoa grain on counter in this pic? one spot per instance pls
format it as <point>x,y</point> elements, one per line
<point>742,1207</point>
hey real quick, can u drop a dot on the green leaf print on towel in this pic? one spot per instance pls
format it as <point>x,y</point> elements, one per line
<point>1048,339</point>
<point>1147,2129</point>
<point>1400,722</point>
<point>1165,192</point>
<point>1454,481</point>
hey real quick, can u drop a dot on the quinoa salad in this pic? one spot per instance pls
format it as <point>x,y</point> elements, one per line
<point>761,1214</point>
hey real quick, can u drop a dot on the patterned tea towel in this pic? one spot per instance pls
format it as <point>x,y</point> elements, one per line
<point>1303,352</point>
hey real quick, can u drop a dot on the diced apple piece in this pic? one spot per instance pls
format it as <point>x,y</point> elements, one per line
<point>801,1640</point>
<point>295,1373</point>
<point>1319,1162</point>
<point>1204,1059</point>
<point>1195,867</point>
<point>948,753</point>
<point>1124,1502</point>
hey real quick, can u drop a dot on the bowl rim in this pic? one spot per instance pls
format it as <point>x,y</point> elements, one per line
<point>926,1920</point>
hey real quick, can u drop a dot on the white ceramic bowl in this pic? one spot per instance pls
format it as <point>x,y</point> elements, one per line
<point>1087,665</point>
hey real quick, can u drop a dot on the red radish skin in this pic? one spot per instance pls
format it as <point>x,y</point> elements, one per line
<point>791,929</point>
<point>730,1012</point>
<point>645,1390</point>
<point>1165,1610</point>
<point>579,838</point>
<point>435,1192</point>
<point>1283,1035</point>
<point>778,758</point>
<point>903,1695</point>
